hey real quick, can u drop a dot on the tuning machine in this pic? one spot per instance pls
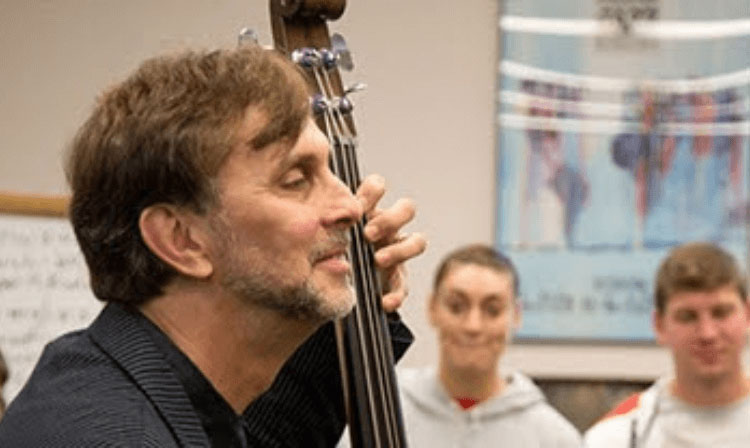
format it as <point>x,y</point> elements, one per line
<point>344,104</point>
<point>338,56</point>
<point>341,52</point>
<point>321,104</point>
<point>247,36</point>
<point>354,88</point>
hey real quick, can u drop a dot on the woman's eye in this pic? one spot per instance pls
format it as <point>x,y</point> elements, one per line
<point>493,310</point>
<point>454,307</point>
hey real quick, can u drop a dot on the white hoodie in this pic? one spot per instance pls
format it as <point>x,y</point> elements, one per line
<point>657,419</point>
<point>519,417</point>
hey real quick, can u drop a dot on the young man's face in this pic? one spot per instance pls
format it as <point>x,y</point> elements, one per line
<point>281,230</point>
<point>706,332</point>
<point>474,312</point>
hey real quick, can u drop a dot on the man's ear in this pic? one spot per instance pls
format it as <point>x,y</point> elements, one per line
<point>172,235</point>
<point>517,314</point>
<point>657,323</point>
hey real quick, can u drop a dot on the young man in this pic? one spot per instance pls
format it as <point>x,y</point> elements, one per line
<point>215,231</point>
<point>467,401</point>
<point>702,316</point>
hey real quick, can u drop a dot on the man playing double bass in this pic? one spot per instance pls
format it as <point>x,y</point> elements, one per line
<point>216,234</point>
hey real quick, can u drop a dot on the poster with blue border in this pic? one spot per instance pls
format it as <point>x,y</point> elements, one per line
<point>623,130</point>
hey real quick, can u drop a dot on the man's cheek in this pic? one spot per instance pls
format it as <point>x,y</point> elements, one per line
<point>303,229</point>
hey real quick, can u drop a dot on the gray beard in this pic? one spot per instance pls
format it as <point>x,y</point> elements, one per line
<point>296,302</point>
<point>248,281</point>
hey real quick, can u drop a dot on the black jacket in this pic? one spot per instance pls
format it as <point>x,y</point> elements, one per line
<point>110,386</point>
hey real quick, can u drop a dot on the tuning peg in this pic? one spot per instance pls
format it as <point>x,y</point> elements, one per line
<point>247,36</point>
<point>344,105</point>
<point>343,55</point>
<point>319,104</point>
<point>306,57</point>
<point>328,58</point>
<point>356,87</point>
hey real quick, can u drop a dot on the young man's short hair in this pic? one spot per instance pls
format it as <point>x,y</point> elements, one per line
<point>697,267</point>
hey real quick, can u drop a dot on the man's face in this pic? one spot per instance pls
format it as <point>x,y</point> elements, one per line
<point>281,230</point>
<point>706,332</point>
<point>474,312</point>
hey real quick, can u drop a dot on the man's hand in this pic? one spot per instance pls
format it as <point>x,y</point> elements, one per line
<point>392,248</point>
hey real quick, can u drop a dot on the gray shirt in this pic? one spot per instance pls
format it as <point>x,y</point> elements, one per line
<point>518,417</point>
<point>661,420</point>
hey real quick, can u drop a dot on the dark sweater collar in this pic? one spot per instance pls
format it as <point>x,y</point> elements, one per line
<point>223,426</point>
<point>181,393</point>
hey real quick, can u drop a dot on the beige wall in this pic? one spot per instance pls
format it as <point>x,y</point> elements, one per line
<point>426,120</point>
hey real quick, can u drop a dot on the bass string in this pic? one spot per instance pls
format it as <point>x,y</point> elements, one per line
<point>363,321</point>
<point>371,323</point>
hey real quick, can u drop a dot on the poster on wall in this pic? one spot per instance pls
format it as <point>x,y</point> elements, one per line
<point>623,130</point>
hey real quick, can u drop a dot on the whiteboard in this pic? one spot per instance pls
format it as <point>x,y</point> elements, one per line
<point>44,290</point>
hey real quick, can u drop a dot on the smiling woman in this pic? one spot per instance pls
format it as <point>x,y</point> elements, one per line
<point>466,400</point>
<point>474,312</point>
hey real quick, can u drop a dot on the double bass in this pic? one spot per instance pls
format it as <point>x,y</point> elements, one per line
<point>371,398</point>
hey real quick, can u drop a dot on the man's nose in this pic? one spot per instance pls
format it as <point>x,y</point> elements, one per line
<point>343,208</point>
<point>707,327</point>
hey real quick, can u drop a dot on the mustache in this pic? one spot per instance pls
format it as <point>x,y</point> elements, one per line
<point>337,241</point>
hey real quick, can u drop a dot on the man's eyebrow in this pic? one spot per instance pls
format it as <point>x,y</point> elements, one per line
<point>258,143</point>
<point>295,160</point>
<point>725,305</point>
<point>684,310</point>
<point>280,148</point>
<point>270,133</point>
